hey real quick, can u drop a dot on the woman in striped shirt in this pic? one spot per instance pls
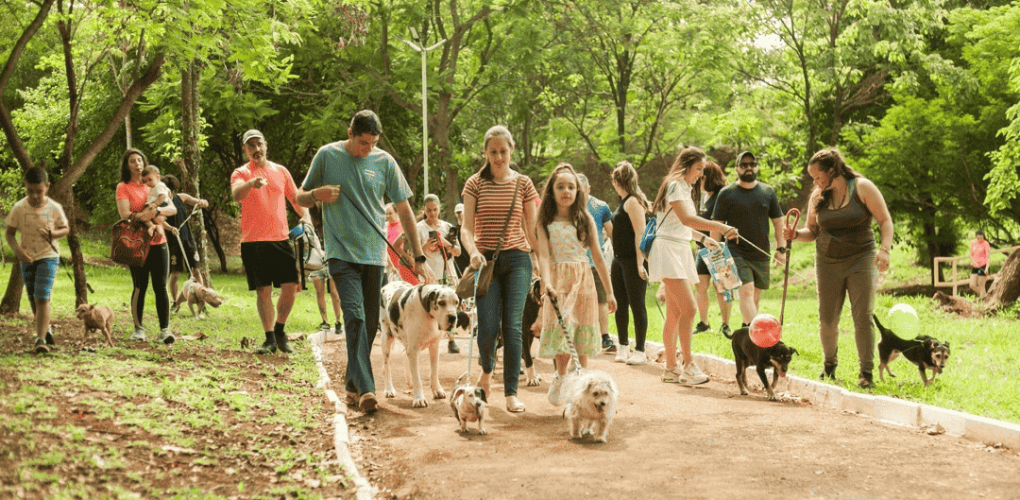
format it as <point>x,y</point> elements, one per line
<point>487,194</point>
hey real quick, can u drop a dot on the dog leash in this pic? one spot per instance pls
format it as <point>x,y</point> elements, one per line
<point>574,359</point>
<point>795,215</point>
<point>400,257</point>
<point>49,237</point>
<point>474,331</point>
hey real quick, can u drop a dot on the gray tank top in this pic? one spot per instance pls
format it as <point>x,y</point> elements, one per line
<point>845,231</point>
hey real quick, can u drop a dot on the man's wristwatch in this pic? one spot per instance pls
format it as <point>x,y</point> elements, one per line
<point>421,259</point>
<point>781,249</point>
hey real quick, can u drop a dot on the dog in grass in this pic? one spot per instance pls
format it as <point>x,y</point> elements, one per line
<point>97,318</point>
<point>924,351</point>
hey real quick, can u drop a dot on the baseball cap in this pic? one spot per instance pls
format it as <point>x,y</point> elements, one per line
<point>459,208</point>
<point>746,153</point>
<point>252,133</point>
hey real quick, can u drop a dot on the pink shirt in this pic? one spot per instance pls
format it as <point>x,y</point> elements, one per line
<point>264,210</point>
<point>979,252</point>
<point>135,194</point>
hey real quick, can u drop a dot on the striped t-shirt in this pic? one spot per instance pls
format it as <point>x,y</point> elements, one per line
<point>491,202</point>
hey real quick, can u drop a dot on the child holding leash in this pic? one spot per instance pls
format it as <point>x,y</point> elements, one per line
<point>566,233</point>
<point>41,222</point>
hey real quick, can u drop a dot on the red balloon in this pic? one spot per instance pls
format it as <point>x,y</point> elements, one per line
<point>765,330</point>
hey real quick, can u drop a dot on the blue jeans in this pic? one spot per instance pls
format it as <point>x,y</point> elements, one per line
<point>38,277</point>
<point>358,285</point>
<point>500,310</point>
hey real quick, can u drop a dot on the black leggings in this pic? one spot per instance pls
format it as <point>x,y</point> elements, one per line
<point>629,289</point>
<point>157,264</point>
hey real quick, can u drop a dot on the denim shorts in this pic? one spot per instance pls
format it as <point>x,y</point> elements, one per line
<point>39,277</point>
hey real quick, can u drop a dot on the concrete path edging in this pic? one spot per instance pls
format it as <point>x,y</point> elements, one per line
<point>893,410</point>
<point>341,438</point>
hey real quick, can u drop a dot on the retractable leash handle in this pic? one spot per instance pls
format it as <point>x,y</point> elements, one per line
<point>793,214</point>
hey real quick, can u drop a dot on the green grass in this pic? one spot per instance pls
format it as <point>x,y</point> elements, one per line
<point>982,375</point>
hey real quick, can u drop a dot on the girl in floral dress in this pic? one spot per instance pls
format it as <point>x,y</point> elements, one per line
<point>567,231</point>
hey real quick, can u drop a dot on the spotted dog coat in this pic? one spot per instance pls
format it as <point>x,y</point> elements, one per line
<point>418,316</point>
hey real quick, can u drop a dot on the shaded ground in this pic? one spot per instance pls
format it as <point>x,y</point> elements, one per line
<point>222,423</point>
<point>667,442</point>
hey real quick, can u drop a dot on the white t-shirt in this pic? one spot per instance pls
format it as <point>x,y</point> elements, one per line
<point>434,258</point>
<point>671,227</point>
<point>155,193</point>
<point>28,219</point>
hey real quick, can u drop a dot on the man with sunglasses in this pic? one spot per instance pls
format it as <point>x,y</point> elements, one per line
<point>749,205</point>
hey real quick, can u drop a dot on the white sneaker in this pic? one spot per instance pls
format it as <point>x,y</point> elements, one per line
<point>671,376</point>
<point>637,358</point>
<point>166,336</point>
<point>139,334</point>
<point>555,390</point>
<point>622,353</point>
<point>692,375</point>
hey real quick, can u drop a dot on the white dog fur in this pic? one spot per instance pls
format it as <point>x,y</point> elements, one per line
<point>469,404</point>
<point>418,316</point>
<point>591,403</point>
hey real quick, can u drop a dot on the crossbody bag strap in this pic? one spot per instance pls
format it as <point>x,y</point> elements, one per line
<point>506,223</point>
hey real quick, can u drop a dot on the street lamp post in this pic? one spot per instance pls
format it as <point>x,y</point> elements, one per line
<point>424,100</point>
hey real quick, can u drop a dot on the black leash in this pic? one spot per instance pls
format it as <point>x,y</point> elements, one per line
<point>403,261</point>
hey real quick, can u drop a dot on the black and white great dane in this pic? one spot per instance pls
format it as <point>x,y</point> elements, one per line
<point>419,316</point>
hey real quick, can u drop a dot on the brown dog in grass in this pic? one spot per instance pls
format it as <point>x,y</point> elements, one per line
<point>193,293</point>
<point>97,318</point>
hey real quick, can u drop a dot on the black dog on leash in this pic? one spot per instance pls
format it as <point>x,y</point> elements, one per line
<point>531,328</point>
<point>746,353</point>
<point>924,351</point>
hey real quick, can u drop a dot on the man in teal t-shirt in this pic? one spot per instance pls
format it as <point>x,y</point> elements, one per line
<point>351,178</point>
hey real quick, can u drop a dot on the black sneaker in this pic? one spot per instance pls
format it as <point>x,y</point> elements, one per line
<point>49,337</point>
<point>282,344</point>
<point>338,327</point>
<point>725,330</point>
<point>702,327</point>
<point>453,348</point>
<point>267,347</point>
<point>864,380</point>
<point>608,346</point>
<point>323,326</point>
<point>829,371</point>
<point>40,346</point>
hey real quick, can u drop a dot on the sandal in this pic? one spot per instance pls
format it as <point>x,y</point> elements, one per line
<point>514,405</point>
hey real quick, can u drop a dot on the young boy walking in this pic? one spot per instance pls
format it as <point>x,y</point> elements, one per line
<point>41,222</point>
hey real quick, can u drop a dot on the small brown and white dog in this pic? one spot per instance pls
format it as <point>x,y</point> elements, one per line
<point>417,315</point>
<point>97,318</point>
<point>193,293</point>
<point>591,403</point>
<point>468,403</point>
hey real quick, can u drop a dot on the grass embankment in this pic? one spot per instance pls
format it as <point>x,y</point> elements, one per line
<point>198,419</point>
<point>982,375</point>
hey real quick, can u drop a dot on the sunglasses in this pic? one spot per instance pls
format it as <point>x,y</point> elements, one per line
<point>748,164</point>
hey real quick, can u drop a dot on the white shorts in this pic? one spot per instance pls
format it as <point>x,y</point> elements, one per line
<point>671,259</point>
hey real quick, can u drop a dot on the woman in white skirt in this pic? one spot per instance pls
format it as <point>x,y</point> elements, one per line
<point>671,261</point>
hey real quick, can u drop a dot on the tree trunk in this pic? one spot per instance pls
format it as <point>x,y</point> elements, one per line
<point>190,118</point>
<point>11,303</point>
<point>1006,287</point>
<point>81,287</point>
<point>214,237</point>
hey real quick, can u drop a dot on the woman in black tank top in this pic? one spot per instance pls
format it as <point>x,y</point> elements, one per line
<point>628,270</point>
<point>839,216</point>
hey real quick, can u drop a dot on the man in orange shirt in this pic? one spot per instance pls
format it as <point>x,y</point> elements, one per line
<point>261,188</point>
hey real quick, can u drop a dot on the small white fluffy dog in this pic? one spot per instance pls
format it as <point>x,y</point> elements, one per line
<point>417,315</point>
<point>591,403</point>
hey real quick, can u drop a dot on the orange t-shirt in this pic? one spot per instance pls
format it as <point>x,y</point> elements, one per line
<point>135,194</point>
<point>264,211</point>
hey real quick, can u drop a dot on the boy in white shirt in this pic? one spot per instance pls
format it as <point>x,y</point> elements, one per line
<point>41,222</point>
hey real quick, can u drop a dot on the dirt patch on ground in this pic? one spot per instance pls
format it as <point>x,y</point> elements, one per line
<point>667,442</point>
<point>76,441</point>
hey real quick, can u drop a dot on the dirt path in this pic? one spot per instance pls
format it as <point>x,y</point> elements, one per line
<point>667,441</point>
